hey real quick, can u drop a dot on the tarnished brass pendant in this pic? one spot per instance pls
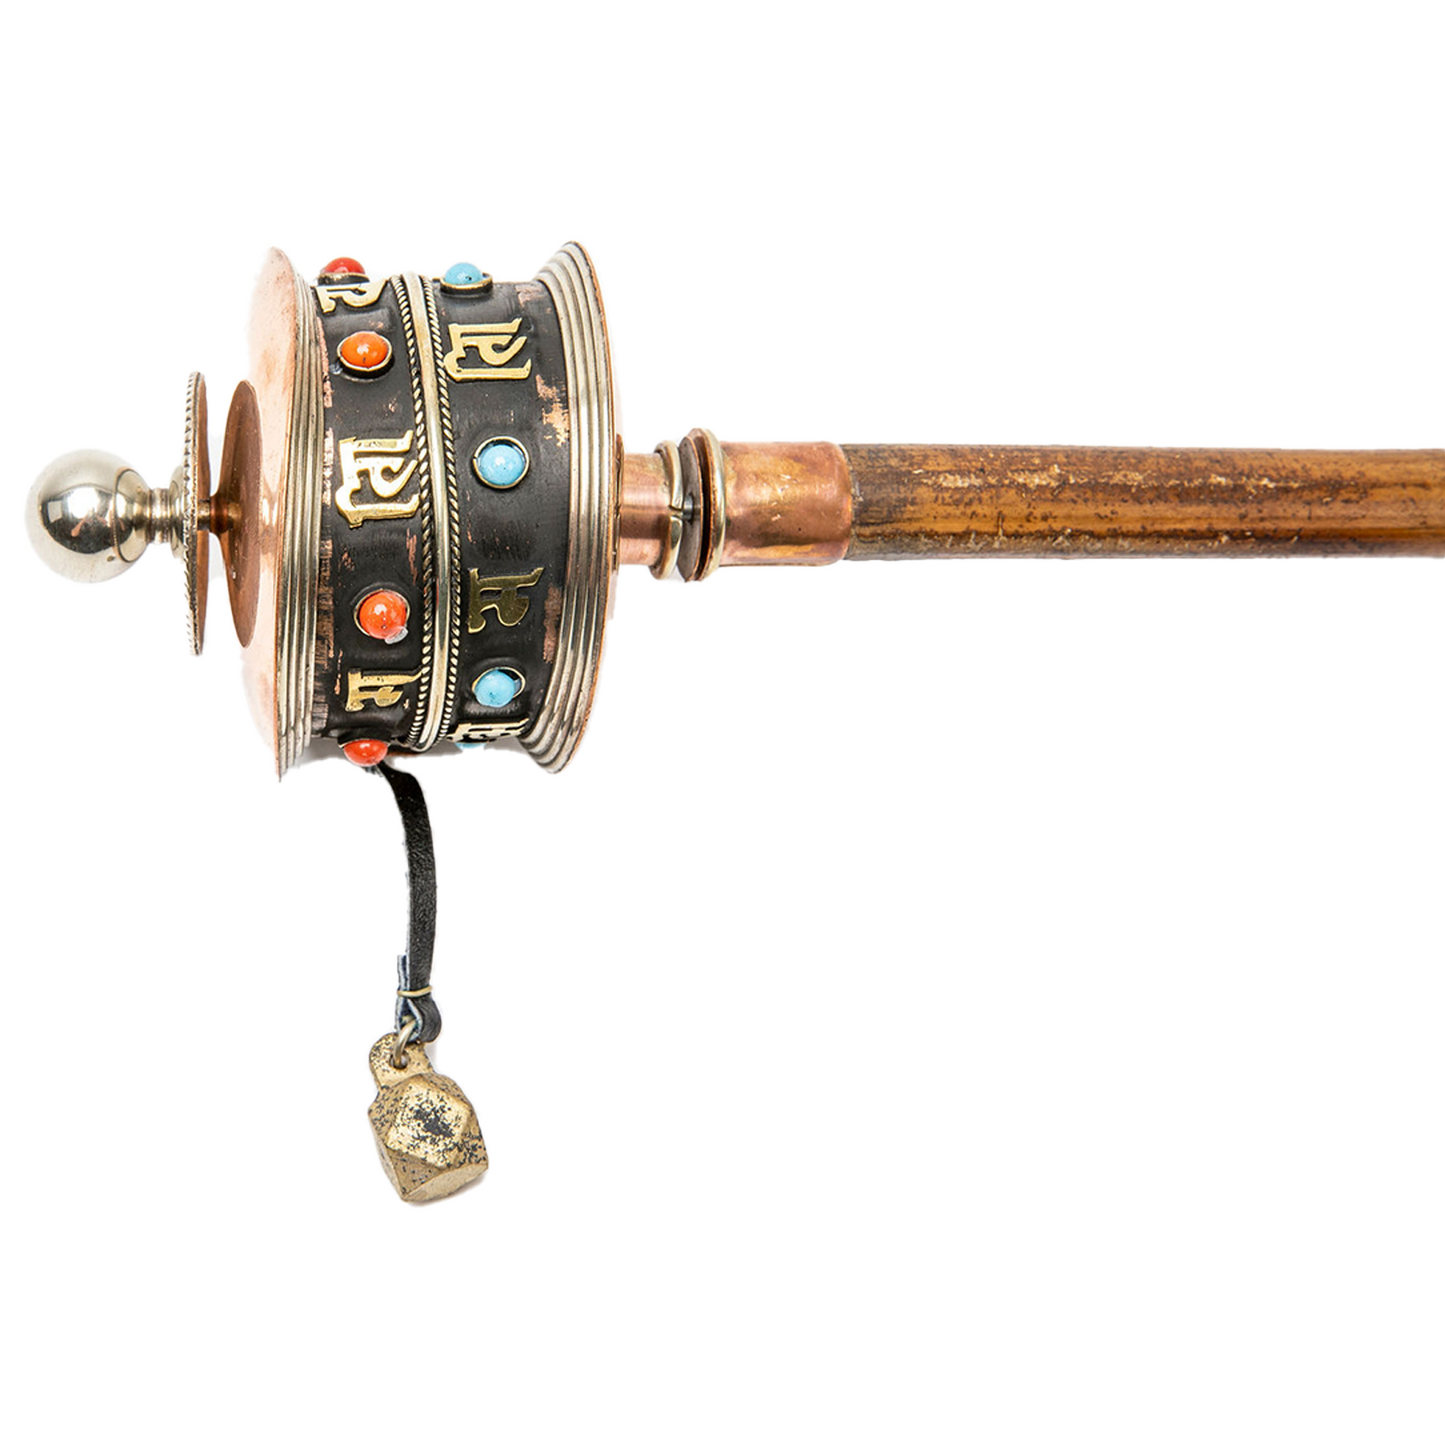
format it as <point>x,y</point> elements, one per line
<point>425,1127</point>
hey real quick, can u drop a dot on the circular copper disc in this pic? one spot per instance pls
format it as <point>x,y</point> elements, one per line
<point>235,515</point>
<point>195,495</point>
<point>280,507</point>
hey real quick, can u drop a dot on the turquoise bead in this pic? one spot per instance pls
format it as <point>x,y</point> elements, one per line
<point>500,463</point>
<point>463,274</point>
<point>496,687</point>
<point>476,743</point>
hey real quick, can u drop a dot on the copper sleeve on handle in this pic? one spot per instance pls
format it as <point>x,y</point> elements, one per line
<point>786,504</point>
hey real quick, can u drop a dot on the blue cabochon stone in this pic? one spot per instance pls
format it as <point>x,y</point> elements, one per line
<point>500,463</point>
<point>496,687</point>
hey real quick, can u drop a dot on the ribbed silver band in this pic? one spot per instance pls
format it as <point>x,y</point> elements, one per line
<point>592,515</point>
<point>300,540</point>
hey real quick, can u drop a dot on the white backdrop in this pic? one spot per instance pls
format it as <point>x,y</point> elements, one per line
<point>1020,1023</point>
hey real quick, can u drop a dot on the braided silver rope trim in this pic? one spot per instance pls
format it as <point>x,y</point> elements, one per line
<point>428,532</point>
<point>454,511</point>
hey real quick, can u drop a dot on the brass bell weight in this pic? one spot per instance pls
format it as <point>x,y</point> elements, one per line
<point>426,1129</point>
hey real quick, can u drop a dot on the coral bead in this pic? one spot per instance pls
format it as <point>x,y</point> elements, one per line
<point>382,614</point>
<point>344,266</point>
<point>365,752</point>
<point>365,351</point>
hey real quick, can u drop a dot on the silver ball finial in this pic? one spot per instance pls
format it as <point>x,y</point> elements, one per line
<point>90,516</point>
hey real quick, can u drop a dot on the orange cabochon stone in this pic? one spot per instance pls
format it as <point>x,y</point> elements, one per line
<point>382,614</point>
<point>365,752</point>
<point>343,266</point>
<point>365,351</point>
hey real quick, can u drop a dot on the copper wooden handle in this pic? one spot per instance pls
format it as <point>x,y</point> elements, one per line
<point>813,503</point>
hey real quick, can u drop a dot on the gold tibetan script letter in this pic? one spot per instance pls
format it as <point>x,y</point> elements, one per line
<point>375,462</point>
<point>485,732</point>
<point>381,688</point>
<point>495,343</point>
<point>356,294</point>
<point>507,602</point>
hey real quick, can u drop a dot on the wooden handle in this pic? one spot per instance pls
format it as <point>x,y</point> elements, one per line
<point>814,502</point>
<point>937,501</point>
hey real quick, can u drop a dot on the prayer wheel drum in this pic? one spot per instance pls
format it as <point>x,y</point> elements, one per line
<point>420,479</point>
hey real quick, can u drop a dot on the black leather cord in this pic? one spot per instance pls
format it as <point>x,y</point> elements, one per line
<point>413,997</point>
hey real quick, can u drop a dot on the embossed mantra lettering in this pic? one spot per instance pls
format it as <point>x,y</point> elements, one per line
<point>355,294</point>
<point>485,732</point>
<point>495,344</point>
<point>500,595</point>
<point>382,689</point>
<point>382,466</point>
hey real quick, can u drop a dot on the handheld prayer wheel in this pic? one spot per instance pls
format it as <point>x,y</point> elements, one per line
<point>422,503</point>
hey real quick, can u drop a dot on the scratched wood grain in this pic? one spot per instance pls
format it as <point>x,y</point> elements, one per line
<point>938,501</point>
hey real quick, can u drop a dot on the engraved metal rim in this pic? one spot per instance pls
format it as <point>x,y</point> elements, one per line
<point>300,540</point>
<point>190,537</point>
<point>592,528</point>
